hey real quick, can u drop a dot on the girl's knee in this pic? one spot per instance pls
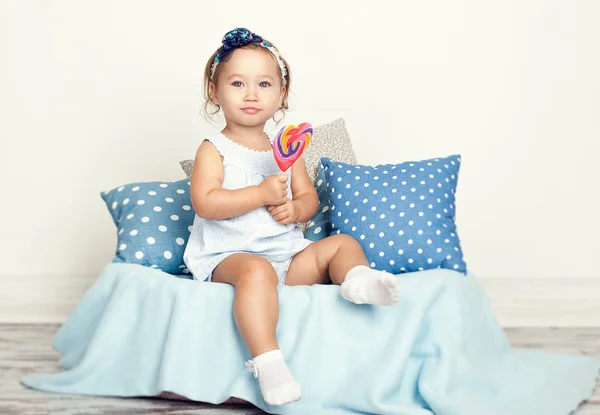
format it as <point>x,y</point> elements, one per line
<point>256,270</point>
<point>342,240</point>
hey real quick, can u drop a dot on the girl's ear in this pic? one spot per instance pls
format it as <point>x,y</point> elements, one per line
<point>212,93</point>
<point>283,89</point>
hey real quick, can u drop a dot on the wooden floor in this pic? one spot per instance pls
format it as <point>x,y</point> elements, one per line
<point>26,348</point>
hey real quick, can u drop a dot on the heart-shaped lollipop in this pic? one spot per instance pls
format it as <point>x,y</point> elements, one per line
<point>290,144</point>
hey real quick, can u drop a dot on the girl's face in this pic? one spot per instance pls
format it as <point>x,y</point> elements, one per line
<point>249,88</point>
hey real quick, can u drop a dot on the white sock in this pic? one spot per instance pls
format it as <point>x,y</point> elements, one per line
<point>276,382</point>
<point>364,285</point>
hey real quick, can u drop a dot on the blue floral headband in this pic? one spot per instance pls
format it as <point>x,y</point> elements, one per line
<point>239,37</point>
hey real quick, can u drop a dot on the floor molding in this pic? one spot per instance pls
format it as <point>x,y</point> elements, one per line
<point>545,302</point>
<point>532,302</point>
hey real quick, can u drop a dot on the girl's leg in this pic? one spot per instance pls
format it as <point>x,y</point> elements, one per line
<point>340,258</point>
<point>256,304</point>
<point>256,311</point>
<point>326,260</point>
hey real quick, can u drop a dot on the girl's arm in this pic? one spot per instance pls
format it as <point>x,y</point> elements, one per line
<point>209,199</point>
<point>304,194</point>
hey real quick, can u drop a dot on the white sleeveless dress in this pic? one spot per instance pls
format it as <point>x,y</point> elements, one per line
<point>254,232</point>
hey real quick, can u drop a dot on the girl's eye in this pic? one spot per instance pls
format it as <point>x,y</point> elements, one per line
<point>237,84</point>
<point>264,84</point>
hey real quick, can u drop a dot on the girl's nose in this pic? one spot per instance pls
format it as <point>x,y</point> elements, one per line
<point>250,94</point>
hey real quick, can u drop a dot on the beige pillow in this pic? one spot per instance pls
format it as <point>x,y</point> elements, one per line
<point>329,140</point>
<point>187,166</point>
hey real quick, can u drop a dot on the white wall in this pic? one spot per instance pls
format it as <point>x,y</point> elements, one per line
<point>94,94</point>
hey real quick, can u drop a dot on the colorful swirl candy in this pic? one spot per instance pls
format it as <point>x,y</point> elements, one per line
<point>290,144</point>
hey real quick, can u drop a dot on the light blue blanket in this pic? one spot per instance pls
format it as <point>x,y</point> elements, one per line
<point>139,331</point>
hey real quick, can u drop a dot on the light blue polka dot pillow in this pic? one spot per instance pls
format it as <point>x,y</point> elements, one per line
<point>319,226</point>
<point>154,221</point>
<point>402,215</point>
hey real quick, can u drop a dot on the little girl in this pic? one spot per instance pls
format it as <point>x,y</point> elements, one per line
<point>245,230</point>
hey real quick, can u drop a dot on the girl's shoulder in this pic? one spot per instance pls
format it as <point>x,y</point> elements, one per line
<point>215,141</point>
<point>214,138</point>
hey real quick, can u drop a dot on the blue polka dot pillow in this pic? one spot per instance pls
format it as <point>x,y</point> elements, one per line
<point>402,214</point>
<point>154,221</point>
<point>319,226</point>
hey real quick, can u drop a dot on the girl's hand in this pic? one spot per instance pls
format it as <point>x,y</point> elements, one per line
<point>285,213</point>
<point>274,189</point>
